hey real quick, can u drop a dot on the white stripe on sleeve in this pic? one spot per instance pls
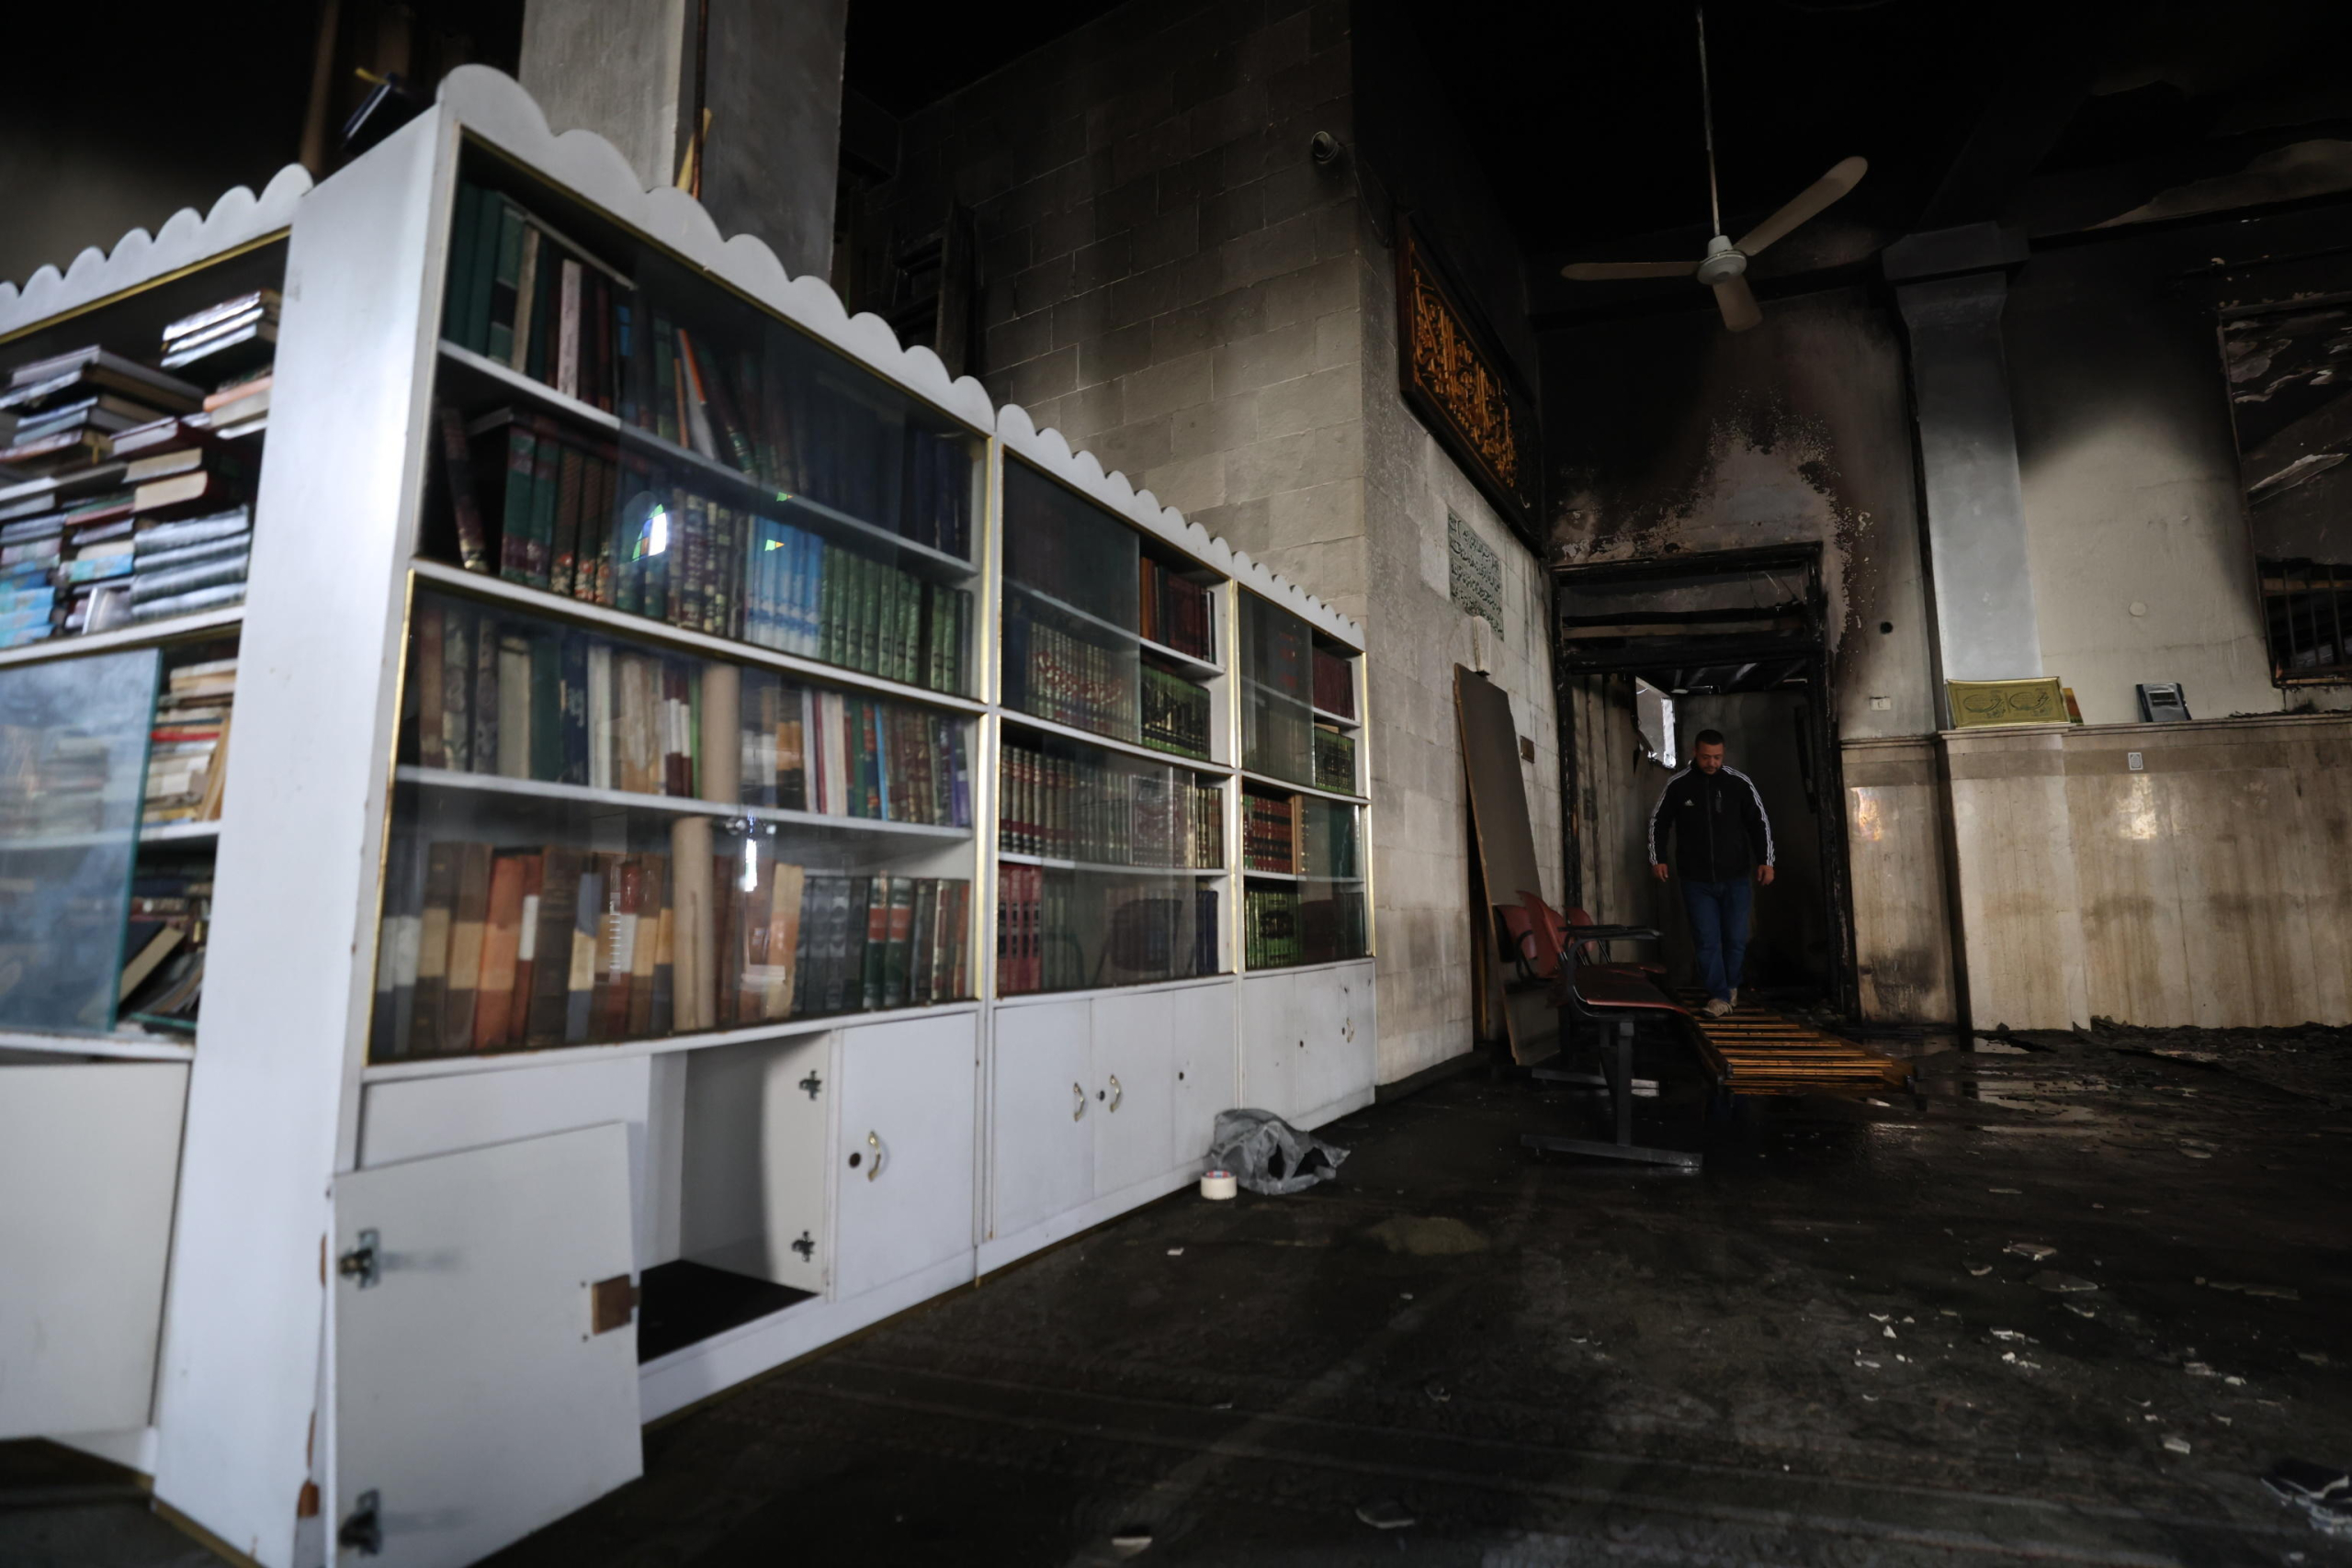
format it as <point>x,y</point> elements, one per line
<point>1660,806</point>
<point>1761,815</point>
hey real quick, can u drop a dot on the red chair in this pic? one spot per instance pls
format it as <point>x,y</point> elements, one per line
<point>1613,998</point>
<point>1540,932</point>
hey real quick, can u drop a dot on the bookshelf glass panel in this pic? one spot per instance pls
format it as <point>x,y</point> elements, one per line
<point>73,776</point>
<point>1277,726</point>
<point>612,428</point>
<point>1302,902</point>
<point>1063,928</point>
<point>594,840</point>
<point>1063,800</point>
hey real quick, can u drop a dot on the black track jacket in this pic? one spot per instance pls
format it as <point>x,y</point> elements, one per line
<point>1720,830</point>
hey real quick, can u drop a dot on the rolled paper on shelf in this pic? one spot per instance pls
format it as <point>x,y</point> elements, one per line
<point>695,962</point>
<point>722,728</point>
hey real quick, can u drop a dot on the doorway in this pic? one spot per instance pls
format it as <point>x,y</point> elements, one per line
<point>1733,641</point>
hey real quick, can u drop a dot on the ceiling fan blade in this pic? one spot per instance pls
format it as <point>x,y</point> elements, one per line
<point>1601,271</point>
<point>1842,177</point>
<point>1737,302</point>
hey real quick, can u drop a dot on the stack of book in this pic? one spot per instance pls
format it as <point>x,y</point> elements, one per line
<point>1066,679</point>
<point>747,396</point>
<point>557,511</point>
<point>517,697</point>
<point>1335,686</point>
<point>489,948</point>
<point>1106,811</point>
<point>181,565</point>
<point>187,747</point>
<point>1175,612</point>
<point>1175,714</point>
<point>234,336</point>
<point>1335,761</point>
<point>163,974</point>
<point>66,408</point>
<point>1269,833</point>
<point>239,406</point>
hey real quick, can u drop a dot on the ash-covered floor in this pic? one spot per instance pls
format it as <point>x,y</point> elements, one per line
<point>2067,1304</point>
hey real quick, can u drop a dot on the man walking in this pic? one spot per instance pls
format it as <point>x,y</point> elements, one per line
<point>1721,836</point>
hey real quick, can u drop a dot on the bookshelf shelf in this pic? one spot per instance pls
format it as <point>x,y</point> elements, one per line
<point>410,1069</point>
<point>1333,718</point>
<point>739,486</point>
<point>1016,720</point>
<point>1183,663</point>
<point>666,804</point>
<point>1050,863</point>
<point>151,634</point>
<point>639,628</point>
<point>1256,876</point>
<point>159,833</point>
<point>107,1047</point>
<point>1287,786</point>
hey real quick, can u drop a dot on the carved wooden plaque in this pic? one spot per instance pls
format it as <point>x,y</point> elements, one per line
<point>1457,383</point>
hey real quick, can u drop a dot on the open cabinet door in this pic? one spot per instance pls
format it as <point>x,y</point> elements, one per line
<point>485,1347</point>
<point>89,1160</point>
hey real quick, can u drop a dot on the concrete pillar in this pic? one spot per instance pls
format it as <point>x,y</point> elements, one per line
<point>770,74</point>
<point>1951,287</point>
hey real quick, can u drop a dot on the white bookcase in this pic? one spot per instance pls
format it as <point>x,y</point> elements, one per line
<point>403,1255</point>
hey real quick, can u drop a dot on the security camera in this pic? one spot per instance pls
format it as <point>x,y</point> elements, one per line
<point>1325,149</point>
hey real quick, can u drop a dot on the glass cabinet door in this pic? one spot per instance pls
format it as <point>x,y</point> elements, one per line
<point>74,739</point>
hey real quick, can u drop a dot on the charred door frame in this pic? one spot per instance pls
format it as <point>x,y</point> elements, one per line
<point>1794,631</point>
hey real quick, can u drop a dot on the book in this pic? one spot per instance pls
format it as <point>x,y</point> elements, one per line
<point>102,368</point>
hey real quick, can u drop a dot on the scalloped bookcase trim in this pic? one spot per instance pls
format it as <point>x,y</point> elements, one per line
<point>182,241</point>
<point>493,106</point>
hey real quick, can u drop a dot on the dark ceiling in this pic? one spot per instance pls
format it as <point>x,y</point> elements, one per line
<point>902,62</point>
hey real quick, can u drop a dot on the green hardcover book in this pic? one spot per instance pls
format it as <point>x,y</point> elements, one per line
<point>572,486</point>
<point>910,594</point>
<point>457,288</point>
<point>484,265</point>
<point>870,621</point>
<point>498,341</point>
<point>665,380</point>
<point>515,517</point>
<point>547,493</point>
<point>546,709</point>
<point>827,616</point>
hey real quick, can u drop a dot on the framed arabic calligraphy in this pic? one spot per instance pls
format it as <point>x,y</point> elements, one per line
<point>1459,385</point>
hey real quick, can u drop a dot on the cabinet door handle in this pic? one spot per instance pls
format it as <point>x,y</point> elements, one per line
<point>1078,1097</point>
<point>1114,1091</point>
<point>874,1142</point>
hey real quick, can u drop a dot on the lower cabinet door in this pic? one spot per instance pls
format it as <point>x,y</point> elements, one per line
<point>1201,1025</point>
<point>89,1162</point>
<point>902,1169</point>
<point>1331,1010</point>
<point>1042,1134</point>
<point>752,1169</point>
<point>1272,1048</point>
<point>485,1346</point>
<point>1134,1089</point>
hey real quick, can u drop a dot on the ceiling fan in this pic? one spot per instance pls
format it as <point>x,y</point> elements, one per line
<point>1725,266</point>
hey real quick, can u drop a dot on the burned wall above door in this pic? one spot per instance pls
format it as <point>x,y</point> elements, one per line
<point>1668,434</point>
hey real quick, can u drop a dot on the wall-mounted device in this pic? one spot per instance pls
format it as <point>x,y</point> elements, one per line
<point>2163,703</point>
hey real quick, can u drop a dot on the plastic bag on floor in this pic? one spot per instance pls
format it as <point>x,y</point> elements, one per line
<point>1269,1155</point>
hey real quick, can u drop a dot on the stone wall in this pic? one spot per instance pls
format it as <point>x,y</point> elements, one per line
<point>1171,281</point>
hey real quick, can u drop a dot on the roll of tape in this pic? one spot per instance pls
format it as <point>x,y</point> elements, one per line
<point>1218,1184</point>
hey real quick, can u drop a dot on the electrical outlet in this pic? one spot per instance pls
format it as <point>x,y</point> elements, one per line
<point>1880,704</point>
<point>2132,761</point>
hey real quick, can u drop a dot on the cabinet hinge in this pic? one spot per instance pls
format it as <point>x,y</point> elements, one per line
<point>363,1528</point>
<point>361,1263</point>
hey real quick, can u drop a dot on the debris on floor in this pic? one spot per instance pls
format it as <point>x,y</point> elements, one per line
<point>2324,1494</point>
<point>1269,1155</point>
<point>1385,1513</point>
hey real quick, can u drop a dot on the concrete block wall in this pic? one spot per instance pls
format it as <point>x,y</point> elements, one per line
<point>1171,282</point>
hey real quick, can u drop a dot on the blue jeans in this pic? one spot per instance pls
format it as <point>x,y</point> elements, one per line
<point>1719,928</point>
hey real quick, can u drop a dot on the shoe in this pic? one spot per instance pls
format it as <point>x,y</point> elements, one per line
<point>1717,1007</point>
